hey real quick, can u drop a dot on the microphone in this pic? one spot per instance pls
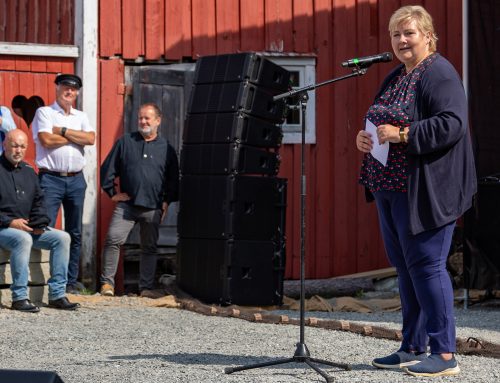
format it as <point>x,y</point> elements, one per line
<point>365,62</point>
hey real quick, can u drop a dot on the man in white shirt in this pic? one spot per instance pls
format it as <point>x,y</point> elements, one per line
<point>60,133</point>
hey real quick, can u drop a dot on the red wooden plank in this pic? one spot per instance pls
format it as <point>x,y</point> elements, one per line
<point>26,88</point>
<point>66,17</point>
<point>67,65</point>
<point>454,51</point>
<point>3,20</point>
<point>303,26</point>
<point>12,11</point>
<point>132,29</point>
<point>53,17</point>
<point>3,100</point>
<point>21,20</point>
<point>203,16</point>
<point>11,89</point>
<point>345,122</point>
<point>177,29</point>
<point>155,29</point>
<point>110,43</point>
<point>23,63</point>
<point>32,14</point>
<point>7,62</point>
<point>252,25</point>
<point>367,232</point>
<point>228,26</point>
<point>279,30</point>
<point>111,76</point>
<point>42,23</point>
<point>323,155</point>
<point>54,65</point>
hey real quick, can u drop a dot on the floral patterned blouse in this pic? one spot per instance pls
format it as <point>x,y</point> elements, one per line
<point>389,108</point>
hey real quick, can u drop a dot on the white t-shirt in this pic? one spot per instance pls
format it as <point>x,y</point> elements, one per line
<point>67,158</point>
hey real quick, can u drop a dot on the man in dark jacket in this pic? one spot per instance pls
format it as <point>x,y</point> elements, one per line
<point>148,169</point>
<point>23,225</point>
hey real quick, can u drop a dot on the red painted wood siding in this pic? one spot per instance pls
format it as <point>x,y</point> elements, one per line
<point>342,230</point>
<point>37,21</point>
<point>25,76</point>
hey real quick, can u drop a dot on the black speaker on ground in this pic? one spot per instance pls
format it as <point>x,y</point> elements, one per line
<point>482,237</point>
<point>231,207</point>
<point>29,376</point>
<point>236,97</point>
<point>228,159</point>
<point>242,67</point>
<point>232,271</point>
<point>217,128</point>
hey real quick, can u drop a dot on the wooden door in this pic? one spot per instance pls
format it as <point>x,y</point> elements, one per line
<point>168,86</point>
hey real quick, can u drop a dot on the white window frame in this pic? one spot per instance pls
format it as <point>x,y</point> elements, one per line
<point>306,66</point>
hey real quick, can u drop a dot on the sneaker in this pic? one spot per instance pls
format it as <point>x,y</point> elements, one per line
<point>434,365</point>
<point>107,290</point>
<point>399,359</point>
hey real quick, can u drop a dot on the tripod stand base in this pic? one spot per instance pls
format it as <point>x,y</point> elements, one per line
<point>301,355</point>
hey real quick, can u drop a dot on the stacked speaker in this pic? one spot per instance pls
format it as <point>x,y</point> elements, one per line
<point>231,221</point>
<point>482,237</point>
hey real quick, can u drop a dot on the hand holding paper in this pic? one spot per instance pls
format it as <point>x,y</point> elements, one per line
<point>379,152</point>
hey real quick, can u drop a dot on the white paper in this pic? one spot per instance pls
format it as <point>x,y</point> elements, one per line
<point>379,152</point>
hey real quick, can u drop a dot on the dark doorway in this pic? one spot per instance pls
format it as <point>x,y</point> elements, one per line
<point>169,87</point>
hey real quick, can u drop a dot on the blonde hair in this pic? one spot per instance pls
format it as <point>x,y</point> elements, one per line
<point>421,17</point>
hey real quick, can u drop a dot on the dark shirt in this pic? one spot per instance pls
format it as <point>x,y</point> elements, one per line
<point>390,108</point>
<point>20,195</point>
<point>441,171</point>
<point>148,171</point>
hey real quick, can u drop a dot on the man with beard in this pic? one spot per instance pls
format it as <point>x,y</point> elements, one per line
<point>148,171</point>
<point>24,224</point>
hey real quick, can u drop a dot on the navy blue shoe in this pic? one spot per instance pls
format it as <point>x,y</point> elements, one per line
<point>399,359</point>
<point>433,366</point>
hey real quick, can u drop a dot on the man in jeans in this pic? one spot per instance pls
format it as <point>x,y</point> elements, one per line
<point>23,225</point>
<point>148,170</point>
<point>61,133</point>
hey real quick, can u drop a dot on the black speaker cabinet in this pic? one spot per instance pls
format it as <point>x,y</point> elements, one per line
<point>232,272</point>
<point>482,237</point>
<point>236,97</point>
<point>242,67</point>
<point>29,376</point>
<point>217,128</point>
<point>231,207</point>
<point>227,159</point>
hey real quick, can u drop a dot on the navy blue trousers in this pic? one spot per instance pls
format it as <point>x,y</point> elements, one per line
<point>424,284</point>
<point>70,192</point>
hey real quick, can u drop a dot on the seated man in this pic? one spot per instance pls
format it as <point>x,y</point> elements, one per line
<point>23,225</point>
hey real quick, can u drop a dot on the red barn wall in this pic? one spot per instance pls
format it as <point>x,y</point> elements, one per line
<point>342,231</point>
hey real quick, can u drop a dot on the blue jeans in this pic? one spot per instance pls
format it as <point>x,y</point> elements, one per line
<point>424,283</point>
<point>70,192</point>
<point>20,242</point>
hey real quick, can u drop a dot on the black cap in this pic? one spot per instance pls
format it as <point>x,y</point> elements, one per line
<point>69,80</point>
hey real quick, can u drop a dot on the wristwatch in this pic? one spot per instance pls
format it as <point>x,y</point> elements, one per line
<point>402,135</point>
<point>63,131</point>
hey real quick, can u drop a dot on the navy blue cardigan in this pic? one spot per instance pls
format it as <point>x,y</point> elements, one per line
<point>441,170</point>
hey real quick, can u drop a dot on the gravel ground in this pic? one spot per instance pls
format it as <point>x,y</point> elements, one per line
<point>133,343</point>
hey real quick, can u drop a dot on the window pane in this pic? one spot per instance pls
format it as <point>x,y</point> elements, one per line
<point>293,116</point>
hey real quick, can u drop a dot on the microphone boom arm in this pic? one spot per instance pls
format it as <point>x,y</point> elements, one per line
<point>358,71</point>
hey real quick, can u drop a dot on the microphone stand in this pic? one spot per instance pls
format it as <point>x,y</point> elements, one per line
<point>302,354</point>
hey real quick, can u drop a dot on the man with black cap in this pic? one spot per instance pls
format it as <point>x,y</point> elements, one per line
<point>61,133</point>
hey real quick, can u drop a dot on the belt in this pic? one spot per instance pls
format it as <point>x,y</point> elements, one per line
<point>59,174</point>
